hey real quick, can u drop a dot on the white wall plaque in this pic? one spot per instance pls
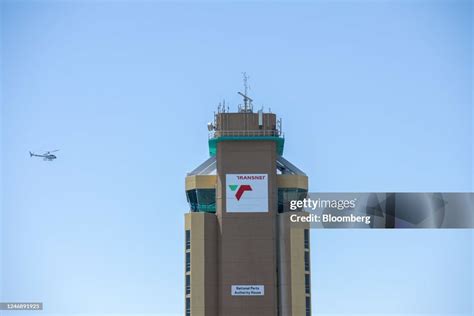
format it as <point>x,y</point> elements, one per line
<point>248,290</point>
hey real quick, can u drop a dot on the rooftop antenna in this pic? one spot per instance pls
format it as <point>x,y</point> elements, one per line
<point>247,99</point>
<point>246,85</point>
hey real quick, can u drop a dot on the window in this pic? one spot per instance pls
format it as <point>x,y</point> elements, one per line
<point>202,200</point>
<point>191,196</point>
<point>207,200</point>
<point>285,195</point>
<point>188,284</point>
<point>308,306</point>
<point>307,283</point>
<point>306,239</point>
<point>188,239</point>
<point>306,261</point>
<point>188,262</point>
<point>188,306</point>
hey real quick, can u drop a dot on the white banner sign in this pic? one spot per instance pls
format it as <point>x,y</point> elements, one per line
<point>248,290</point>
<point>247,193</point>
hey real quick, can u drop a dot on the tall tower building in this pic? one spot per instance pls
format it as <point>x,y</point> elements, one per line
<point>241,255</point>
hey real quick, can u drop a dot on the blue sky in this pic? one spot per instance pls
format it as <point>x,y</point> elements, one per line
<point>374,96</point>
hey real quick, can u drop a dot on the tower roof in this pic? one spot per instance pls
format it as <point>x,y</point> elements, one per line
<point>209,167</point>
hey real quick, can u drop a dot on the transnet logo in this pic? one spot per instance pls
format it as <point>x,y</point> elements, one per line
<point>240,189</point>
<point>246,193</point>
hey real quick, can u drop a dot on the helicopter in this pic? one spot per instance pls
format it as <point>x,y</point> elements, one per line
<point>47,156</point>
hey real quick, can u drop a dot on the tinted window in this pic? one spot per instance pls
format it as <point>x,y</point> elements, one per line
<point>188,239</point>
<point>188,262</point>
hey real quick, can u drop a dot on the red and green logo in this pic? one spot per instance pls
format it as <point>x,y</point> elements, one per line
<point>239,189</point>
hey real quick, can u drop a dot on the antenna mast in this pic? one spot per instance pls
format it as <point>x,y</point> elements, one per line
<point>247,99</point>
<point>246,86</point>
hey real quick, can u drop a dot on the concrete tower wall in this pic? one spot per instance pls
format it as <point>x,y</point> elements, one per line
<point>203,230</point>
<point>247,241</point>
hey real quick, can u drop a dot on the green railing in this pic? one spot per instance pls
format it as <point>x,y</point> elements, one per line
<point>280,142</point>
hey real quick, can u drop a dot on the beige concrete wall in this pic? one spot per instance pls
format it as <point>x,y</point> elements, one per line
<point>292,181</point>
<point>291,267</point>
<point>298,296</point>
<point>201,182</point>
<point>203,227</point>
